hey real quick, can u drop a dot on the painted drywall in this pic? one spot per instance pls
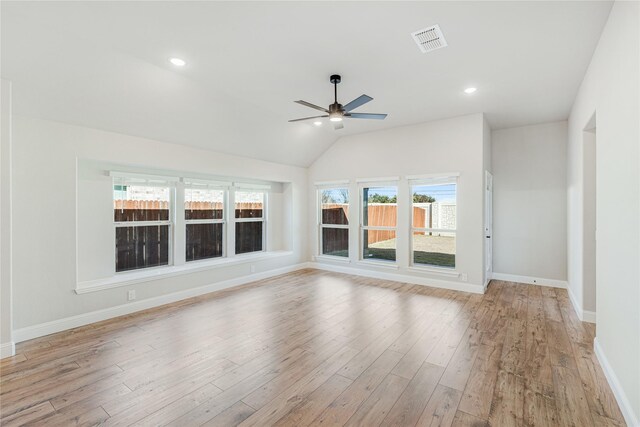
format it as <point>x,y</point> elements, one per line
<point>589,224</point>
<point>6,333</point>
<point>487,167</point>
<point>446,146</point>
<point>611,90</point>
<point>530,201</point>
<point>45,171</point>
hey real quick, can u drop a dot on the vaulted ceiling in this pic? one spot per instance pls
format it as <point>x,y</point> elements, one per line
<point>105,65</point>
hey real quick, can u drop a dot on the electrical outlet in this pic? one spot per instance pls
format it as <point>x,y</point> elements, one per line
<point>253,268</point>
<point>131,295</point>
<point>464,277</point>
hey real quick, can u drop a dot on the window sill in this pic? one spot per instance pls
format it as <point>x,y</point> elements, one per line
<point>142,276</point>
<point>390,265</point>
<point>329,258</point>
<point>435,270</point>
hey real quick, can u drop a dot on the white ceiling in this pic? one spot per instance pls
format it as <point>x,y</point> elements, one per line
<point>104,65</point>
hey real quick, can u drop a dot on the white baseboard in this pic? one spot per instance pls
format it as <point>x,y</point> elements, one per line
<point>583,315</point>
<point>398,277</point>
<point>630,417</point>
<point>530,280</point>
<point>7,349</point>
<point>35,331</point>
<point>588,316</point>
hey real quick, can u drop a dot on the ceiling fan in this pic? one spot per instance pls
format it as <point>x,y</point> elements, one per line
<point>337,112</point>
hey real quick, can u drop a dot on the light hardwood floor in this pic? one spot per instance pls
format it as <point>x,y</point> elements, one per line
<point>318,348</point>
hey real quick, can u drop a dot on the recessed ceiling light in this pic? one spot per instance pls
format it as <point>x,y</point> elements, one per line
<point>317,123</point>
<point>177,62</point>
<point>470,90</point>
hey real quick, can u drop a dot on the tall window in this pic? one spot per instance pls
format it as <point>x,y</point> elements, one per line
<point>334,222</point>
<point>434,222</point>
<point>205,222</point>
<point>142,222</point>
<point>378,222</point>
<point>249,221</point>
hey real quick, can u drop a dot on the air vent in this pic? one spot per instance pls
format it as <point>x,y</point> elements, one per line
<point>429,39</point>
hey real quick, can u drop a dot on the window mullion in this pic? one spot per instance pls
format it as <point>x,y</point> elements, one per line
<point>336,244</point>
<point>180,232</point>
<point>230,212</point>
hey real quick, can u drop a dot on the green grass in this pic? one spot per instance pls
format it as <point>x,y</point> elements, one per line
<point>342,253</point>
<point>434,258</point>
<point>419,257</point>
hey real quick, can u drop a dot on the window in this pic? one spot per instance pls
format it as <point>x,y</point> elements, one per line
<point>205,221</point>
<point>167,220</point>
<point>378,222</point>
<point>433,240</point>
<point>249,221</point>
<point>142,222</point>
<point>334,222</point>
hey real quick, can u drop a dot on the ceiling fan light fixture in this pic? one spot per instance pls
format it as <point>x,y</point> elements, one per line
<point>336,111</point>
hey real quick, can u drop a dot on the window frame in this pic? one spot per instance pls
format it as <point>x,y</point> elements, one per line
<point>191,184</point>
<point>232,209</point>
<point>321,225</point>
<point>362,228</point>
<point>431,180</point>
<point>144,181</point>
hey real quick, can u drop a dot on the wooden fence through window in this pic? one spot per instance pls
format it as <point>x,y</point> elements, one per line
<point>146,246</point>
<point>380,215</point>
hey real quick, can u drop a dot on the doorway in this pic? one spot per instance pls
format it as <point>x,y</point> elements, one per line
<point>488,227</point>
<point>589,221</point>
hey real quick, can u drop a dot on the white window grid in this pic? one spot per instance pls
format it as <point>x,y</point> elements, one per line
<point>363,227</point>
<point>321,225</point>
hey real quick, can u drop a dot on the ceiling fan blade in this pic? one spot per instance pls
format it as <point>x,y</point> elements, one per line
<point>310,105</point>
<point>338,125</point>
<point>307,118</point>
<point>375,116</point>
<point>361,100</point>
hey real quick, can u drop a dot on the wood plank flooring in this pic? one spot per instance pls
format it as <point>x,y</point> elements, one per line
<point>320,348</point>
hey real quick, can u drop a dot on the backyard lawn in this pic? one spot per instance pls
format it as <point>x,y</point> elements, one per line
<point>430,250</point>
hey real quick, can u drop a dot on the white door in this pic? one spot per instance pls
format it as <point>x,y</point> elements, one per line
<point>488,228</point>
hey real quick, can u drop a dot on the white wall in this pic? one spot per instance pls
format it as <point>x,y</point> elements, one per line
<point>445,146</point>
<point>589,222</point>
<point>487,162</point>
<point>530,201</point>
<point>611,90</point>
<point>6,333</point>
<point>45,159</point>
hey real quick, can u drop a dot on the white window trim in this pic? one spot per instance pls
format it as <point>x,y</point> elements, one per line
<point>233,220</point>
<point>177,223</point>
<point>150,274</point>
<point>431,176</point>
<point>374,182</point>
<point>342,183</point>
<point>434,179</point>
<point>321,225</point>
<point>127,224</point>
<point>210,185</point>
<point>141,177</point>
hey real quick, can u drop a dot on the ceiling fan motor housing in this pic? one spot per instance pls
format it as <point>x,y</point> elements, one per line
<point>336,111</point>
<point>335,108</point>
